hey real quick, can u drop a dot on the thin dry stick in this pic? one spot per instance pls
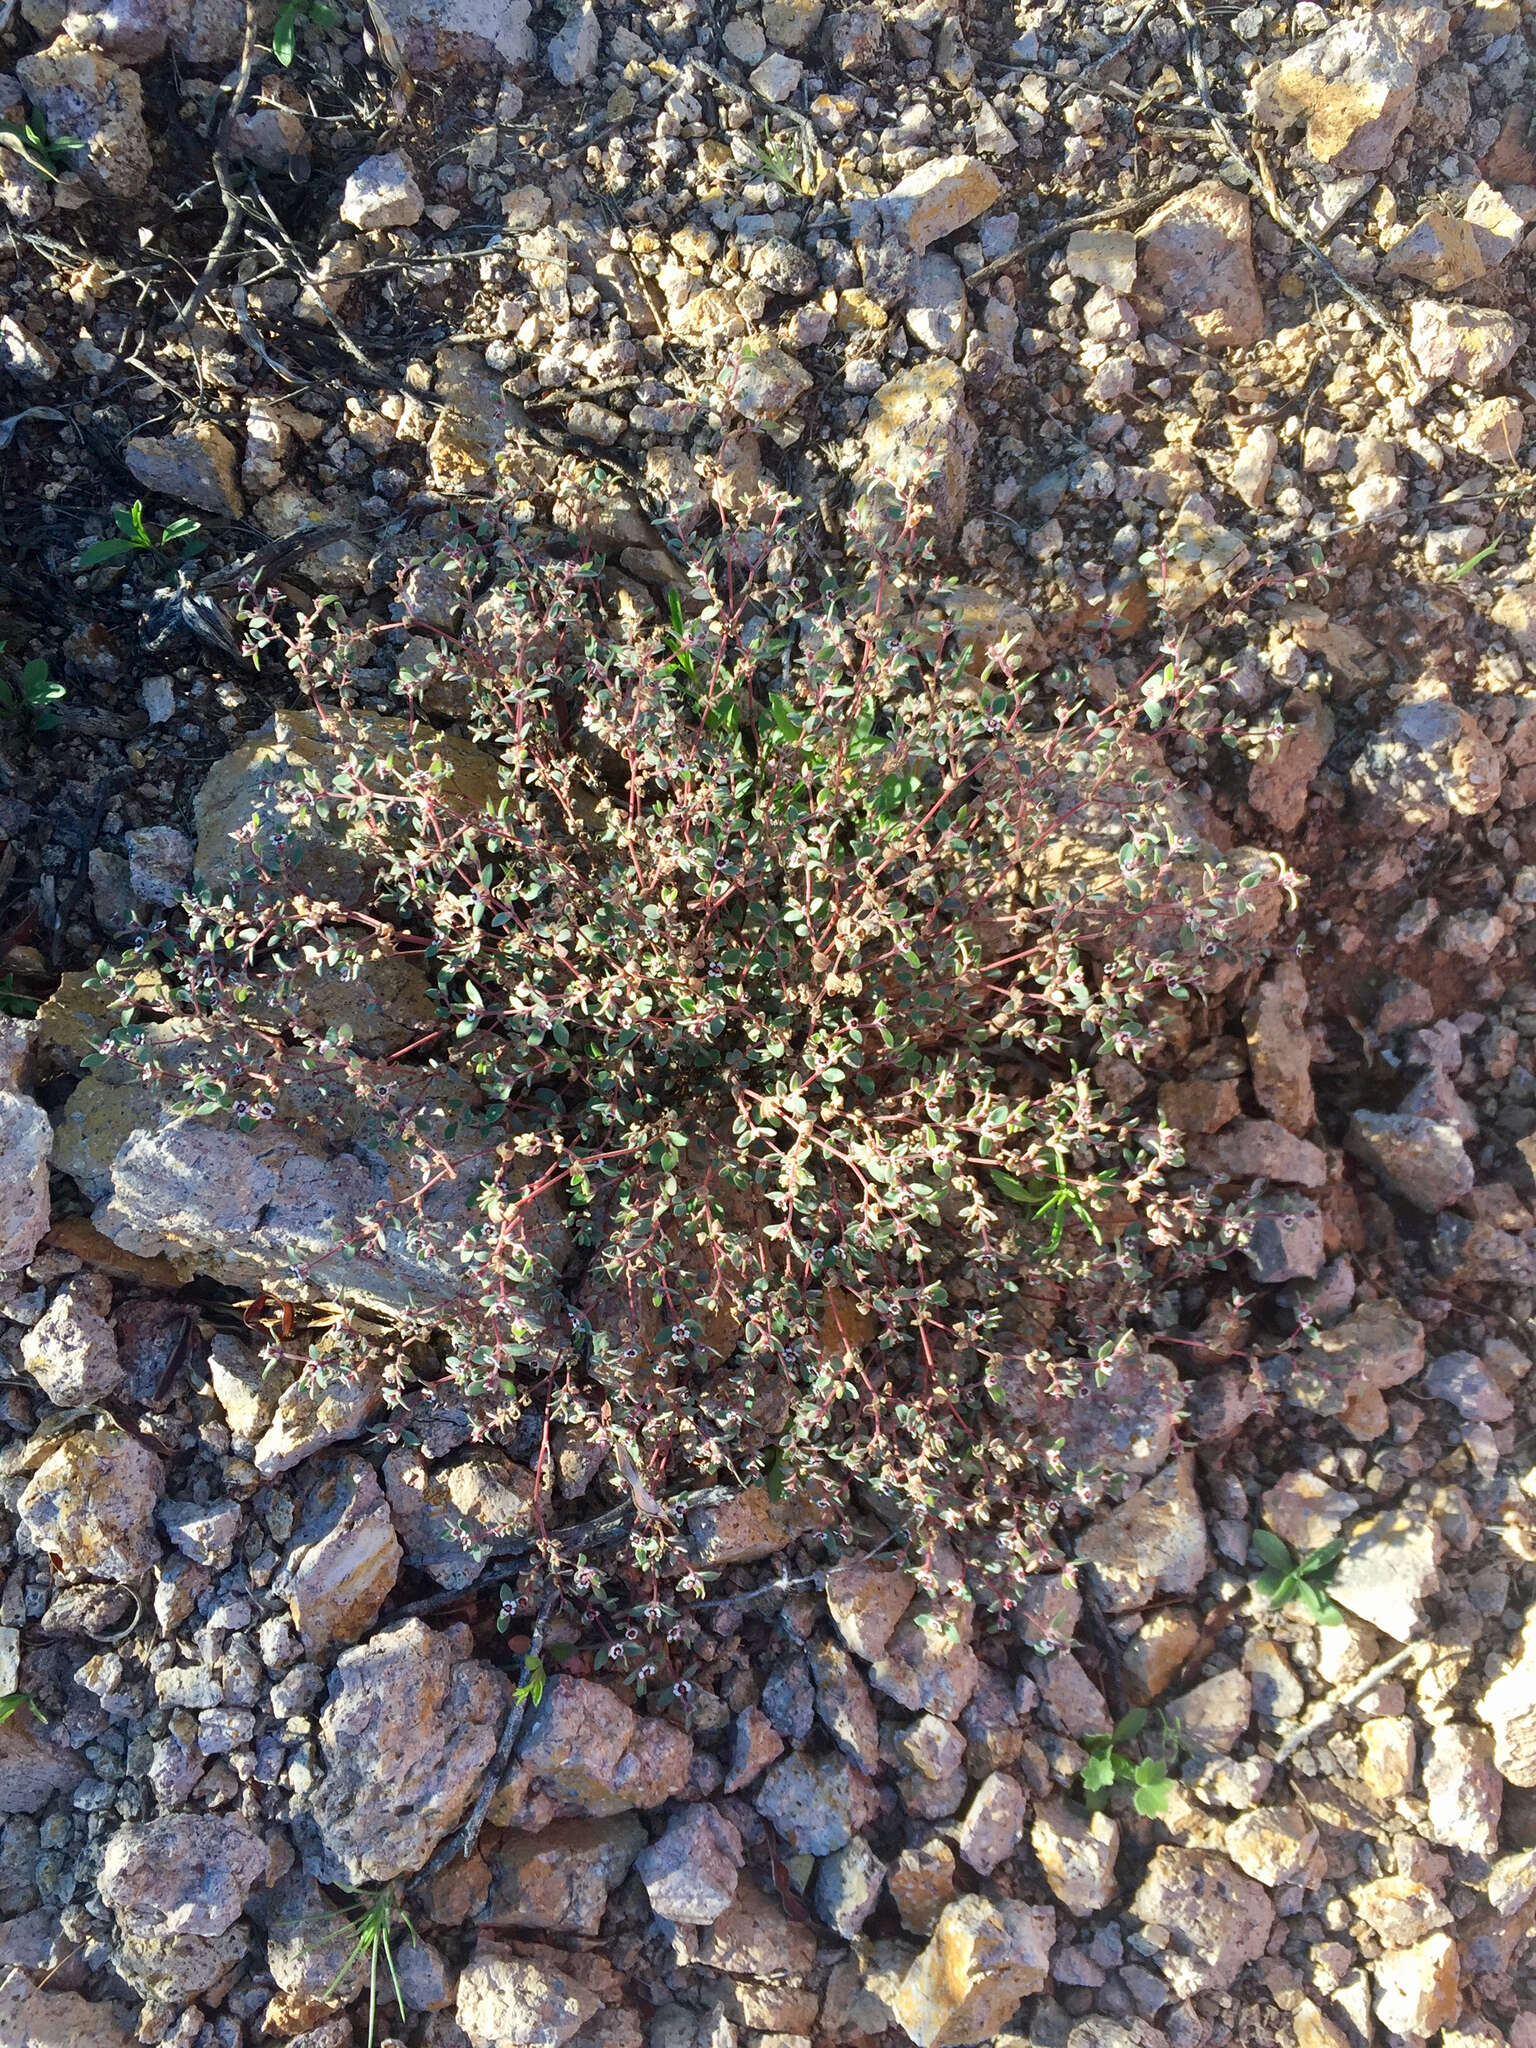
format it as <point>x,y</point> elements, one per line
<point>463,1843</point>
<point>1142,202</point>
<point>1318,1720</point>
<point>1260,176</point>
<point>224,247</point>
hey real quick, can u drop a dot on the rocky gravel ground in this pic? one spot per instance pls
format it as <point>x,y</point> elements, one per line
<point>1163,323</point>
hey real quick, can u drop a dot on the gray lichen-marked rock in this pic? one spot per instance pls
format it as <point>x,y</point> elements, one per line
<point>170,1970</point>
<point>434,35</point>
<point>189,1873</point>
<point>1346,1370</point>
<point>1154,1543</point>
<point>994,1823</point>
<point>315,1412</point>
<point>406,1737</point>
<point>92,1504</point>
<point>690,1873</point>
<point>344,1557</point>
<point>1427,761</point>
<point>26,1139</point>
<point>1423,1161</point>
<point>1218,1920</point>
<point>83,96</point>
<point>452,1517</point>
<point>584,1752</point>
<point>34,1766</point>
<point>815,1804</point>
<point>510,2001</point>
<point>71,1350</point>
<point>983,1958</point>
<point>558,1880</point>
<point>847,1887</point>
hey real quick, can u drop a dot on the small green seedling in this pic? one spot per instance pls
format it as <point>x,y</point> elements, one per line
<point>47,153</point>
<point>11,1704</point>
<point>285,29</point>
<point>373,1917</point>
<point>1472,562</point>
<point>134,534</point>
<point>1297,1578</point>
<point>1108,1766</point>
<point>32,696</point>
<point>1053,1198</point>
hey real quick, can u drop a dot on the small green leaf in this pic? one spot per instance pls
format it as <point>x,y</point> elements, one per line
<point>1130,1725</point>
<point>1151,1800</point>
<point>106,550</point>
<point>1272,1550</point>
<point>1323,1559</point>
<point>1015,1190</point>
<point>1270,1586</point>
<point>284,38</point>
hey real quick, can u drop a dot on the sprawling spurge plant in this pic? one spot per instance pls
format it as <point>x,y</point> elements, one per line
<point>776,961</point>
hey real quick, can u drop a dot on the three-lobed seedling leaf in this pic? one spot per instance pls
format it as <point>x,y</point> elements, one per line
<point>1108,1765</point>
<point>1301,1579</point>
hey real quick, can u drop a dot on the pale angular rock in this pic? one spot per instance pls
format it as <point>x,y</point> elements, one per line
<point>1213,1717</point>
<point>937,313</point>
<point>1508,1707</point>
<point>1161,1647</point>
<point>1439,250</point>
<point>865,1602</point>
<point>1305,1511</point>
<point>843,1704</point>
<point>205,1532</point>
<point>1465,344</point>
<point>452,1517</point>
<point>1462,1379</point>
<point>1219,1920</point>
<point>1512,1882</point>
<point>83,95</point>
<point>984,1957</point>
<point>1494,432</point>
<point>816,1804</point>
<point>244,1388</point>
<point>919,442</point>
<point>186,1874</point>
<point>34,2018</point>
<point>196,465</point>
<point>1354,86</point>
<point>584,1752</point>
<point>922,1883</point>
<point>1274,1845</point>
<point>1428,761</point>
<point>159,865</point>
<point>939,198</point>
<point>573,53</point>
<point>558,1880</point>
<point>1197,281</point>
<point>754,1746</point>
<point>1418,1989</point>
<point>1197,559</point>
<point>1423,1161</point>
<point>778,77</point>
<point>756,1938</point>
<point>764,383</point>
<point>435,35</point>
<point>1399,1910</point>
<point>71,1351</point>
<point>406,1737</point>
<point>1154,1543</point>
<point>382,193</point>
<point>1103,256</point>
<point>1076,1853</point>
<point>1389,1570</point>
<point>92,1504</point>
<point>1279,1054</point>
<point>690,1873</point>
<point>1070,1697</point>
<point>508,2001</point>
<point>344,1557</point>
<point>993,1825</point>
<point>171,1970</point>
<point>1464,1790</point>
<point>1387,1756</point>
<point>312,1414</point>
